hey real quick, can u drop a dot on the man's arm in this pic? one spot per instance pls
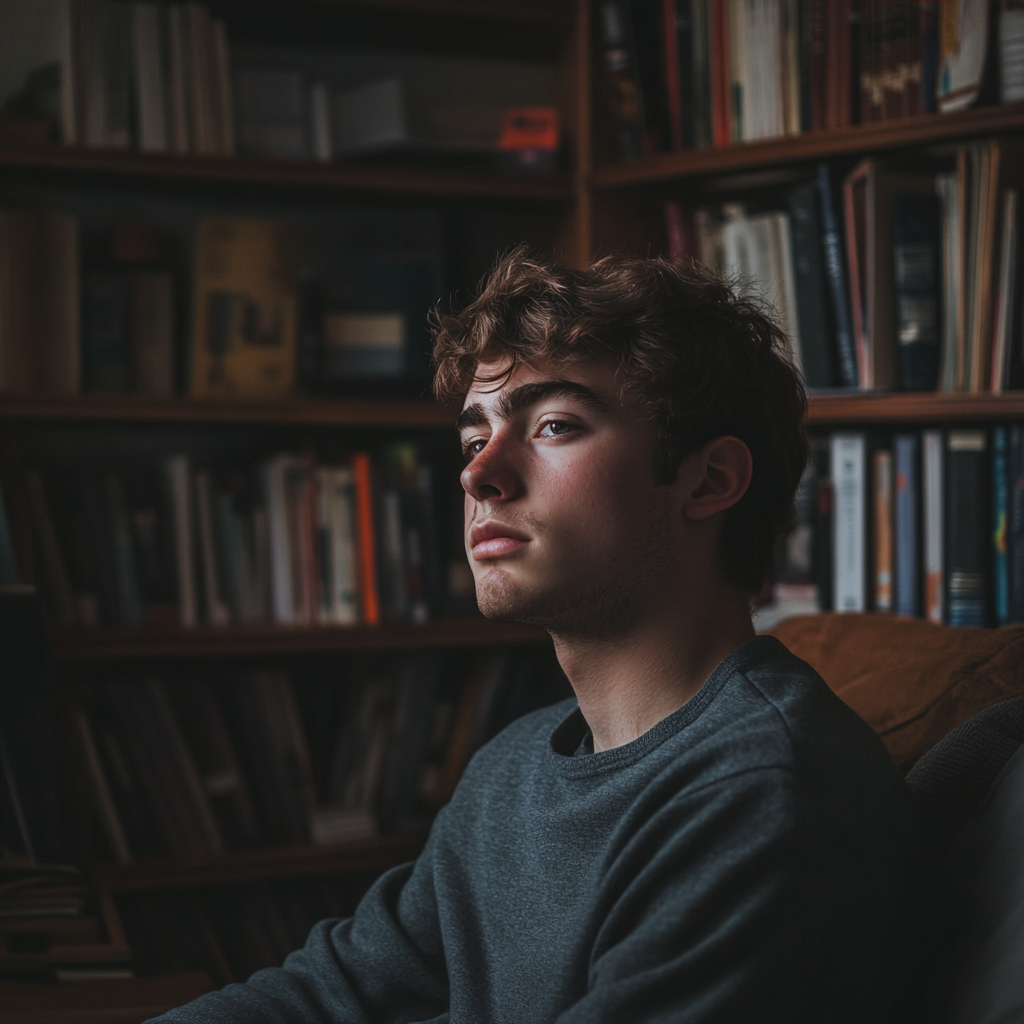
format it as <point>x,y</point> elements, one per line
<point>736,903</point>
<point>383,964</point>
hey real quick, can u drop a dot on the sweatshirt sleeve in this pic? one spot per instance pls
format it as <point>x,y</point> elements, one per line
<point>725,906</point>
<point>385,963</point>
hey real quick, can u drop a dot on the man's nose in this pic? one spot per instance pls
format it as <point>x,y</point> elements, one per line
<point>494,473</point>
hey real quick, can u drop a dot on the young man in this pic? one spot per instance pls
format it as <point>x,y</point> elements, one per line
<point>706,833</point>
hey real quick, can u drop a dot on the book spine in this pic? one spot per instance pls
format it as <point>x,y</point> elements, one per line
<point>929,28</point>
<point>363,480</point>
<point>849,480</point>
<point>150,77</point>
<point>344,554</point>
<point>1000,510</point>
<point>217,611</point>
<point>280,555</point>
<point>670,56</point>
<point>883,530</point>
<point>933,511</point>
<point>967,530</point>
<point>1015,539</point>
<point>103,799</point>
<point>908,571</point>
<point>916,259</point>
<point>179,487</point>
<point>833,247</point>
<point>700,35</point>
<point>622,85</point>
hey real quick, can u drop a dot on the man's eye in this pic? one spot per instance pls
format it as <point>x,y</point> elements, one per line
<point>556,428</point>
<point>471,449</point>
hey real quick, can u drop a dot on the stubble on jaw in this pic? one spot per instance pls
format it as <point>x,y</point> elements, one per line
<point>597,608</point>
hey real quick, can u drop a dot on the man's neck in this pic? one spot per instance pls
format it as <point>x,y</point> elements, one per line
<point>627,683</point>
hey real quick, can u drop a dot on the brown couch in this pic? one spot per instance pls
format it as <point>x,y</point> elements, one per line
<point>912,681</point>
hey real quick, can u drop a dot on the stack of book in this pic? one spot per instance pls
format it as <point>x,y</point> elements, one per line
<point>924,523</point>
<point>681,74</point>
<point>196,768</point>
<point>895,280</point>
<point>288,540</point>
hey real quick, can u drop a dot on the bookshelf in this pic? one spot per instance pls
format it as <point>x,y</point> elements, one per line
<point>590,206</point>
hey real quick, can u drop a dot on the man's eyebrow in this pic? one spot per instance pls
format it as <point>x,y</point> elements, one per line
<point>522,397</point>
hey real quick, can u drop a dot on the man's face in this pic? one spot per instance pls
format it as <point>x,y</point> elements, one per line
<point>565,526</point>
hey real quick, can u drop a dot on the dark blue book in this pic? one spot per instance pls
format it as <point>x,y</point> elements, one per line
<point>835,269</point>
<point>817,335</point>
<point>967,527</point>
<point>105,332</point>
<point>917,256</point>
<point>1015,524</point>
<point>1000,510</point>
<point>907,518</point>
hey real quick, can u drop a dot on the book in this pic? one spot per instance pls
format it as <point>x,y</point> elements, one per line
<point>217,611</point>
<point>245,325</point>
<point>817,338</point>
<point>105,31</point>
<point>100,791</point>
<point>623,95</point>
<point>967,527</point>
<point>105,332</point>
<point>916,259</point>
<point>1000,513</point>
<point>150,74</point>
<point>179,123</point>
<point>849,487</point>
<point>932,499</point>
<point>947,188</point>
<point>362,475</point>
<point>54,568</point>
<point>152,332</point>
<point>1015,520</point>
<point>964,47</point>
<point>39,302</point>
<point>882,530</point>
<point>907,524</point>
<point>1011,54</point>
<point>178,475</point>
<point>339,545</point>
<point>1007,301</point>
<point>836,274</point>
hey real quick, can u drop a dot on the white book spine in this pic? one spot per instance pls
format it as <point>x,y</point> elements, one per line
<point>932,489</point>
<point>785,276</point>
<point>344,554</point>
<point>179,477</point>
<point>150,77</point>
<point>849,484</point>
<point>279,545</point>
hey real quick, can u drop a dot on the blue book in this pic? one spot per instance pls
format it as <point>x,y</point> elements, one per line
<point>835,268</point>
<point>907,531</point>
<point>1000,562</point>
<point>967,527</point>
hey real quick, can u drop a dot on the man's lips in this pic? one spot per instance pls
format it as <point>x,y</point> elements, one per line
<point>495,540</point>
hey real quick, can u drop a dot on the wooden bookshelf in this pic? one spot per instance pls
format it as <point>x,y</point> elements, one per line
<point>850,408</point>
<point>126,644</point>
<point>855,140</point>
<point>282,862</point>
<point>411,414</point>
<point>365,178</point>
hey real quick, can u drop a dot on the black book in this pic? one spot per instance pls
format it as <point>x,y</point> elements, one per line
<point>816,331</point>
<point>700,72</point>
<point>683,74</point>
<point>650,64</point>
<point>968,540</point>
<point>835,268</point>
<point>622,84</point>
<point>805,65</point>
<point>916,223</point>
<point>106,332</point>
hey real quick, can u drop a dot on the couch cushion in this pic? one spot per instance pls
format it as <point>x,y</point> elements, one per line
<point>912,681</point>
<point>973,925</point>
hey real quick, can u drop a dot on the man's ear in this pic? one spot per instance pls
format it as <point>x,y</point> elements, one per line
<point>716,476</point>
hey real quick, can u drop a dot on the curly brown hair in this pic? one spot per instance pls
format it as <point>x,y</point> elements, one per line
<point>699,360</point>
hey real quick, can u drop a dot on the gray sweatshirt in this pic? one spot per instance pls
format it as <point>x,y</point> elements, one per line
<point>750,858</point>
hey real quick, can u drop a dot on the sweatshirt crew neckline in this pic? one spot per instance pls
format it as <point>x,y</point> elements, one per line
<point>562,749</point>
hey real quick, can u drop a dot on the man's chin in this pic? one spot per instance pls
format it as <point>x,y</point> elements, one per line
<point>502,599</point>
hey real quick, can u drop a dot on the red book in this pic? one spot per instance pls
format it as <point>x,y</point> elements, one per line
<point>721,101</point>
<point>672,84</point>
<point>363,479</point>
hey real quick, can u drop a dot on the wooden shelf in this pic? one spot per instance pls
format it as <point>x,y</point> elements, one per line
<point>856,140</point>
<point>412,181</point>
<point>851,408</point>
<point>342,412</point>
<point>242,641</point>
<point>283,862</point>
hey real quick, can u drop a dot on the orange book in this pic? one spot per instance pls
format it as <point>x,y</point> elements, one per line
<point>363,480</point>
